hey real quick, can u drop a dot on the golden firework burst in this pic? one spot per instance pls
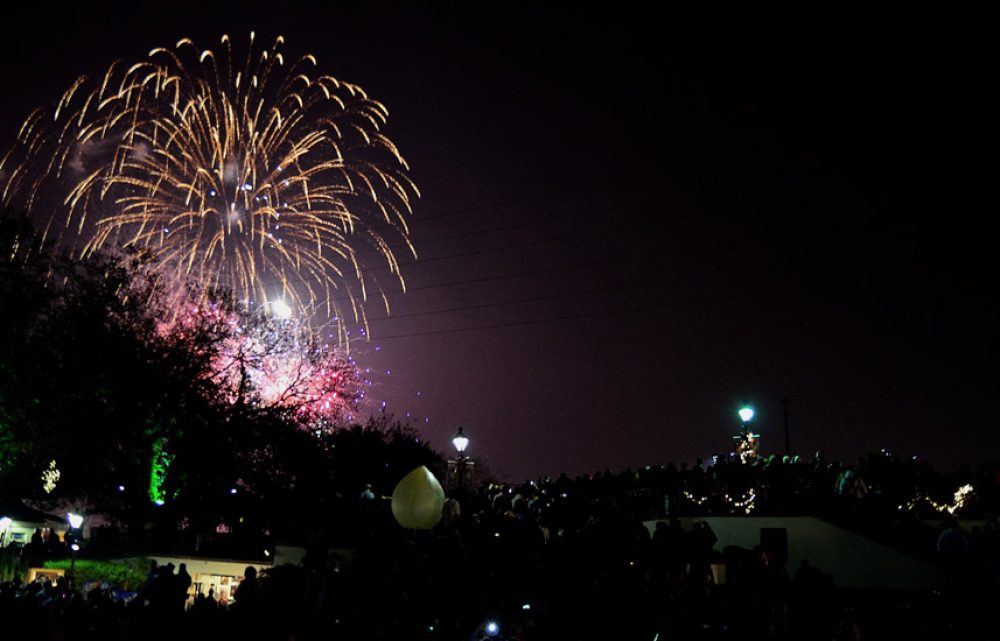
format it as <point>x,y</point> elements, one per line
<point>250,173</point>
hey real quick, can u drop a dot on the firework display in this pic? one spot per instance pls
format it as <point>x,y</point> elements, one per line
<point>238,171</point>
<point>273,362</point>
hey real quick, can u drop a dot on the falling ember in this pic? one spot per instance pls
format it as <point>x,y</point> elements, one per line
<point>196,155</point>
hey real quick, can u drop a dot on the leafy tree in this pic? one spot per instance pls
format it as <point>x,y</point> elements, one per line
<point>154,410</point>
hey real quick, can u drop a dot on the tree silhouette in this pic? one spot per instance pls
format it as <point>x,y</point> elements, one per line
<point>154,410</point>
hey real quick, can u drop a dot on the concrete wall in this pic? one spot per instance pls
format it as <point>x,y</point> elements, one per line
<point>853,560</point>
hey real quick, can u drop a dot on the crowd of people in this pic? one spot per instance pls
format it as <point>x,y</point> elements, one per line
<point>569,558</point>
<point>879,481</point>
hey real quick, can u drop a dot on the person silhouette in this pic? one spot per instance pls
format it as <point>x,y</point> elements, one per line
<point>248,593</point>
<point>182,583</point>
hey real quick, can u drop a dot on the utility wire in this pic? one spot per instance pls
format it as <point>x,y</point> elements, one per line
<point>610,185</point>
<point>535,299</point>
<point>537,321</point>
<point>487,250</point>
<point>528,223</point>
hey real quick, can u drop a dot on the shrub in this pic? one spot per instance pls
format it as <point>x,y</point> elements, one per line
<point>129,574</point>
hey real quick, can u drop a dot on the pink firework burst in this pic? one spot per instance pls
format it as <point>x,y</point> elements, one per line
<point>271,363</point>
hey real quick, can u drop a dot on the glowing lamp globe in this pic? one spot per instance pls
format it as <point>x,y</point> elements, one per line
<point>746,414</point>
<point>418,500</point>
<point>75,521</point>
<point>461,441</point>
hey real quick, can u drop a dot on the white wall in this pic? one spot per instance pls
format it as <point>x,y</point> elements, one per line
<point>853,560</point>
<point>217,567</point>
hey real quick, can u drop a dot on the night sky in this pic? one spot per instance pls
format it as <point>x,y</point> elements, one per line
<point>631,223</point>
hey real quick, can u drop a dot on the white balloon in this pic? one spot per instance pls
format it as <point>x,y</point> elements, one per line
<point>417,500</point>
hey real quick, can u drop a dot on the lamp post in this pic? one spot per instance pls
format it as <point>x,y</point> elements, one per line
<point>460,467</point>
<point>746,440</point>
<point>75,522</point>
<point>788,440</point>
<point>6,525</point>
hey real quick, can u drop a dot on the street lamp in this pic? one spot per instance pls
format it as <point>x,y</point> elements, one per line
<point>459,468</point>
<point>73,536</point>
<point>746,441</point>
<point>461,441</point>
<point>6,524</point>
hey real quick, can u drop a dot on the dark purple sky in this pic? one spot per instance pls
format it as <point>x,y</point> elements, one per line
<point>632,222</point>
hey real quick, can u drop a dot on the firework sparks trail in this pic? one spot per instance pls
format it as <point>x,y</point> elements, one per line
<point>248,173</point>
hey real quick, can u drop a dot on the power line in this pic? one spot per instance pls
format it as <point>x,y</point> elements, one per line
<point>530,243</point>
<point>528,272</point>
<point>535,299</point>
<point>610,185</point>
<point>529,223</point>
<point>497,277</point>
<point>537,321</point>
<point>487,250</point>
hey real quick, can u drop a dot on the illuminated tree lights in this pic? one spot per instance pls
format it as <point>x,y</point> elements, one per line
<point>963,498</point>
<point>50,477</point>
<point>158,465</point>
